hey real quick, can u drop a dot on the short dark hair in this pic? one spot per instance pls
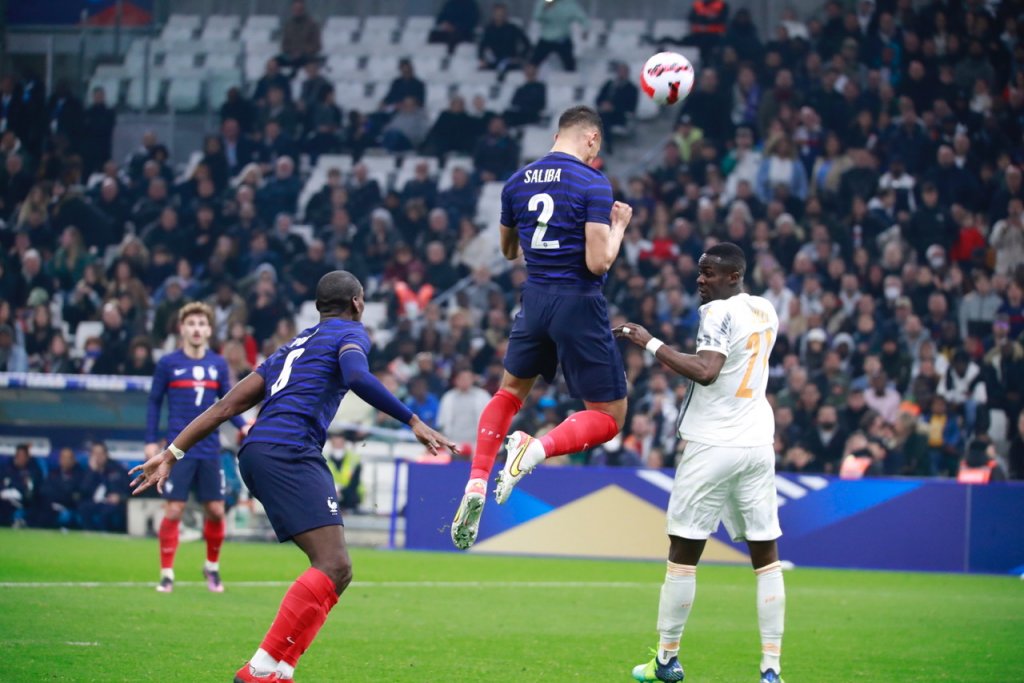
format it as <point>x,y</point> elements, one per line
<point>335,291</point>
<point>580,115</point>
<point>730,256</point>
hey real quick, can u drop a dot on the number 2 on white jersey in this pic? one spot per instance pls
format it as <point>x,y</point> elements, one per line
<point>286,371</point>
<point>754,345</point>
<point>547,209</point>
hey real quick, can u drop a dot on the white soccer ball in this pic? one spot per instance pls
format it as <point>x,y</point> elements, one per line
<point>667,78</point>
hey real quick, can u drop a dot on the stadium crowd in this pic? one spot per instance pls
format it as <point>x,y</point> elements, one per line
<point>867,160</point>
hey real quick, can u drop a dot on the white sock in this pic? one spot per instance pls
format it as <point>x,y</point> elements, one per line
<point>211,566</point>
<point>474,484</point>
<point>771,614</point>
<point>677,595</point>
<point>167,574</point>
<point>263,663</point>
<point>285,671</point>
<point>533,456</point>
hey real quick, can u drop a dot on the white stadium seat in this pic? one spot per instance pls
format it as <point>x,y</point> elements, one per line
<point>622,27</point>
<point>220,61</point>
<point>136,99</point>
<point>342,66</point>
<point>185,91</point>
<point>537,141</point>
<point>445,180</point>
<point>671,28</point>
<point>85,330</point>
<point>381,23</point>
<point>218,83</point>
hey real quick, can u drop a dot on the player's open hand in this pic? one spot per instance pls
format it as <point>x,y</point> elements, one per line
<point>153,471</point>
<point>432,439</point>
<point>621,215</point>
<point>634,333</point>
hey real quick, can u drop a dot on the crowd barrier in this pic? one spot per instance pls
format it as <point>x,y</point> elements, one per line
<point>892,524</point>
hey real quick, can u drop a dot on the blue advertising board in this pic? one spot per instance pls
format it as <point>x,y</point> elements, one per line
<point>897,524</point>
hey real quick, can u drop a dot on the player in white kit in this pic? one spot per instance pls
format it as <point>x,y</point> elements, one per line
<point>727,470</point>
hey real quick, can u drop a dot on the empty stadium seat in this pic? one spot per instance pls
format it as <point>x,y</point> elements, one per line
<point>671,28</point>
<point>307,316</point>
<point>220,27</point>
<point>624,27</point>
<point>185,91</point>
<point>137,99</point>
<point>220,61</point>
<point>342,66</point>
<point>218,83</point>
<point>381,23</point>
<point>537,141</point>
<point>341,24</point>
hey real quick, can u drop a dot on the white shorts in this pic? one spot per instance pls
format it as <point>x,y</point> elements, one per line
<point>732,485</point>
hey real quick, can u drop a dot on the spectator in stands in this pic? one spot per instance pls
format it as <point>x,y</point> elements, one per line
<point>97,132</point>
<point>555,18</point>
<point>456,23</point>
<point>104,492</point>
<point>325,121</point>
<point>15,183</point>
<point>281,193</point>
<point>148,208</point>
<point>528,100</point>
<point>307,271</point>
<point>497,154</point>
<point>140,358</point>
<point>237,107</point>
<point>20,488</point>
<point>780,169</point>
<point>228,307</point>
<point>708,22</point>
<point>616,102</point>
<point>439,270</point>
<point>300,38</point>
<point>12,354</point>
<point>460,408</point>
<point>64,113</point>
<point>407,129</point>
<point>421,186</point>
<point>280,111</point>
<point>32,277</point>
<point>404,86</point>
<point>363,193</point>
<point>448,133</point>
<point>271,78</point>
<point>62,491</point>
<point>706,107</point>
<point>504,45</point>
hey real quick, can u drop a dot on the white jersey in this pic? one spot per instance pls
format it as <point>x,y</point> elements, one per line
<point>733,410</point>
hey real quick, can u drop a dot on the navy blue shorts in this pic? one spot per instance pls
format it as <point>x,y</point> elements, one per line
<point>567,327</point>
<point>205,474</point>
<point>293,484</point>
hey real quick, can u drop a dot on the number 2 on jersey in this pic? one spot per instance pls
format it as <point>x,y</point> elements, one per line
<point>547,209</point>
<point>754,344</point>
<point>286,371</point>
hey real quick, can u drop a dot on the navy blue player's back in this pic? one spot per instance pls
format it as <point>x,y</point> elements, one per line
<point>549,203</point>
<point>282,462</point>
<point>305,385</point>
<point>557,212</point>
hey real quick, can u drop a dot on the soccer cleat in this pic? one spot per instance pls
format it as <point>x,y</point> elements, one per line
<point>467,517</point>
<point>656,671</point>
<point>213,581</point>
<point>248,675</point>
<point>770,676</point>
<point>517,446</point>
<point>166,585</point>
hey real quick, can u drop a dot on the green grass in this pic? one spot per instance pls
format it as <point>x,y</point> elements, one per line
<point>840,625</point>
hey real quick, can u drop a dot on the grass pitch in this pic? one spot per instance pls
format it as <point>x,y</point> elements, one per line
<point>464,618</point>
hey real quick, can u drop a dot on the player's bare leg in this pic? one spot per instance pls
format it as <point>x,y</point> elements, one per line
<point>304,608</point>
<point>771,606</point>
<point>168,536</point>
<point>491,431</point>
<point>214,531</point>
<point>599,423</point>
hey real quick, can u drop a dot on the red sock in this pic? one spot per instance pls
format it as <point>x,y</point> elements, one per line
<point>214,531</point>
<point>303,611</point>
<point>493,428</point>
<point>168,542</point>
<point>579,431</point>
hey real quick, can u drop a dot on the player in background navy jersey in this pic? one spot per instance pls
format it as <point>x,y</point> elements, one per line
<point>282,463</point>
<point>559,213</point>
<point>191,378</point>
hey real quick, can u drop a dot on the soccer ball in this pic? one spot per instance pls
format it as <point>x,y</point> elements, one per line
<point>667,78</point>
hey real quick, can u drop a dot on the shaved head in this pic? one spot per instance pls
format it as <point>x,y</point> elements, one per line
<point>338,292</point>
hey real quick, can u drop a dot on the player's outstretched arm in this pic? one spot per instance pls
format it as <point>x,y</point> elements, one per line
<point>603,241</point>
<point>356,371</point>
<point>243,396</point>
<point>702,367</point>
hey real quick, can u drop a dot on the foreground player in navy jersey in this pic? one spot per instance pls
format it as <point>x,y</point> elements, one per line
<point>192,379</point>
<point>559,213</point>
<point>282,460</point>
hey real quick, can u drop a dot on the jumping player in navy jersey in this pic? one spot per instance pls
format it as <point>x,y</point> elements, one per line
<point>192,379</point>
<point>282,463</point>
<point>559,213</point>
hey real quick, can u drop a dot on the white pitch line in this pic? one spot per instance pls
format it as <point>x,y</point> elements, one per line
<point>355,584</point>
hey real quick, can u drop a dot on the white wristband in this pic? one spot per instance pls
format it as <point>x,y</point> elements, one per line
<point>654,345</point>
<point>176,452</point>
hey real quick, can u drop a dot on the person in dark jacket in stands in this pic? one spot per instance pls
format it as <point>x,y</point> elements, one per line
<point>448,134</point>
<point>456,23</point>
<point>104,492</point>
<point>616,101</point>
<point>497,154</point>
<point>300,38</point>
<point>62,492</point>
<point>98,129</point>
<point>528,101</point>
<point>504,45</point>
<point>20,484</point>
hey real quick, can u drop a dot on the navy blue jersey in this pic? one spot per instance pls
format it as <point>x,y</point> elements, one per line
<point>304,385</point>
<point>550,202</point>
<point>191,386</point>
